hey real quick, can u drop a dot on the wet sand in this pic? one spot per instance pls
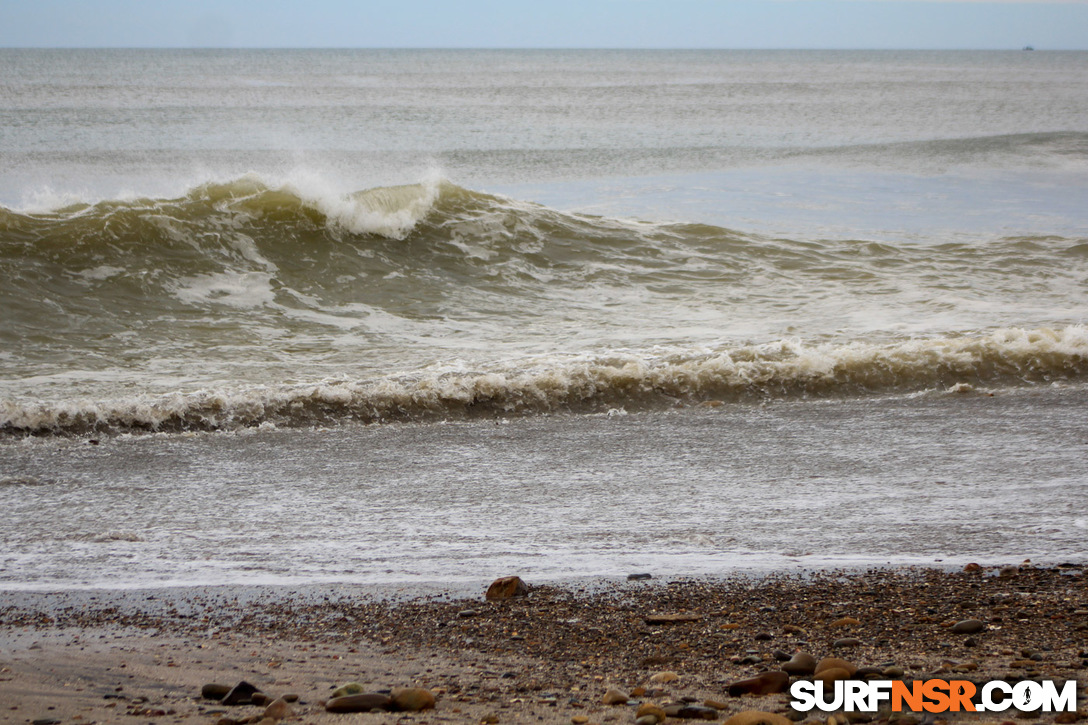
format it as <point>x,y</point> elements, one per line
<point>83,657</point>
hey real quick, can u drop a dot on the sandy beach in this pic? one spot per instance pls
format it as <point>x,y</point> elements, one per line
<point>97,656</point>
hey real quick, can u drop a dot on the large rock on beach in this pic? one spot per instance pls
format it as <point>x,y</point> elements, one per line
<point>800,664</point>
<point>828,663</point>
<point>832,674</point>
<point>240,694</point>
<point>412,699</point>
<point>615,697</point>
<point>506,587</point>
<point>766,683</point>
<point>362,702</point>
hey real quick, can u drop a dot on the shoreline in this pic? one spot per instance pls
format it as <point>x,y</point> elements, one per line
<point>549,656</point>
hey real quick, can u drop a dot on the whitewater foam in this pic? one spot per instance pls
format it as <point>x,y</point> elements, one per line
<point>787,369</point>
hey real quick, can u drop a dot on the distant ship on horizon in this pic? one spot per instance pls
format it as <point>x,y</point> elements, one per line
<point>1028,47</point>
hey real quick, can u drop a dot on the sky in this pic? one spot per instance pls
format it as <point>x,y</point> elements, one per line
<point>924,24</point>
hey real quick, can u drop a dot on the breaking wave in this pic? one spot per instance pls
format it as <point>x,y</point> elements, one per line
<point>632,380</point>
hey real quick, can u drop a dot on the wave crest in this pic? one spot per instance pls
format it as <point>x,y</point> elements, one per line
<point>631,380</point>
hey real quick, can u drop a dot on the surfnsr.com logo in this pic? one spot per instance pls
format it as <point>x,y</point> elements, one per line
<point>935,696</point>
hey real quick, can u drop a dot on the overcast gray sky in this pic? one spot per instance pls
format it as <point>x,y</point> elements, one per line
<point>545,23</point>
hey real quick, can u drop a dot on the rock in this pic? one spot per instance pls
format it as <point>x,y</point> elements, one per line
<point>663,677</point>
<point>579,720</point>
<point>507,587</point>
<point>832,662</point>
<point>650,710</point>
<point>278,709</point>
<point>46,721</point>
<point>291,697</point>
<point>671,618</point>
<point>691,712</point>
<point>968,626</point>
<point>846,642</point>
<point>757,717</point>
<point>766,683</point>
<point>214,691</point>
<point>716,704</point>
<point>833,674</point>
<point>781,656</point>
<point>260,699</point>
<point>801,663</point>
<point>638,577</point>
<point>362,702</point>
<point>352,688</point>
<point>240,694</point>
<point>1008,571</point>
<point>893,671</point>
<point>615,697</point>
<point>846,622</point>
<point>972,568</point>
<point>764,637</point>
<point>648,720</point>
<point>412,699</point>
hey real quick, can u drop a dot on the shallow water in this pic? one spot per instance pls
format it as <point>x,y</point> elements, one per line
<point>932,479</point>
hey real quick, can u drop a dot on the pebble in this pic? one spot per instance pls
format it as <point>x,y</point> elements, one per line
<point>801,663</point>
<point>639,577</point>
<point>968,626</point>
<point>260,699</point>
<point>757,717</point>
<point>214,691</point>
<point>691,712</point>
<point>352,688</point>
<point>277,710</point>
<point>615,697</point>
<point>648,709</point>
<point>846,642</point>
<point>672,618</point>
<point>362,702</point>
<point>412,699</point>
<point>507,587</point>
<point>766,683</point>
<point>240,694</point>
<point>893,671</point>
<point>846,622</point>
<point>648,720</point>
<point>664,677</point>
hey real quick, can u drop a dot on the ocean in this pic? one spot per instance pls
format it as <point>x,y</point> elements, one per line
<point>391,317</point>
